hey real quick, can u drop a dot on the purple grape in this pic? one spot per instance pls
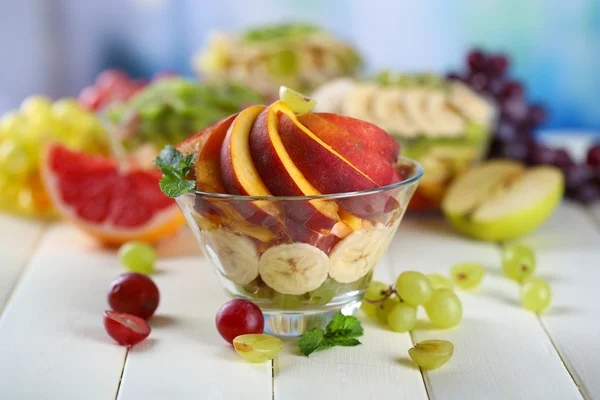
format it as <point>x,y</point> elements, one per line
<point>495,86</point>
<point>512,89</point>
<point>577,176</point>
<point>496,65</point>
<point>506,131</point>
<point>514,109</point>
<point>477,81</point>
<point>542,155</point>
<point>563,159</point>
<point>587,193</point>
<point>536,115</point>
<point>593,156</point>
<point>476,60</point>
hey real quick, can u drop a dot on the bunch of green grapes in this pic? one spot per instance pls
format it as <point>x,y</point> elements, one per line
<point>170,109</point>
<point>23,134</point>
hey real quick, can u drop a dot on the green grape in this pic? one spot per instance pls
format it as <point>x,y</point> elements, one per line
<point>375,292</point>
<point>138,257</point>
<point>64,109</point>
<point>444,308</point>
<point>288,301</point>
<point>296,101</point>
<point>518,262</point>
<point>431,354</point>
<point>383,310</point>
<point>10,125</point>
<point>440,282</point>
<point>402,317</point>
<point>36,106</point>
<point>467,275</point>
<point>323,294</point>
<point>257,347</point>
<point>413,288</point>
<point>13,157</point>
<point>257,289</point>
<point>536,295</point>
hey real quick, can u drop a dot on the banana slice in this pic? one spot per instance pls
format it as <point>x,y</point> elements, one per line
<point>236,256</point>
<point>357,254</point>
<point>471,104</point>
<point>331,95</point>
<point>359,101</point>
<point>444,121</point>
<point>389,112</point>
<point>293,268</point>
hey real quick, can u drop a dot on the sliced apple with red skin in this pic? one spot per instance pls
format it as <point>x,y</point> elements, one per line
<point>353,148</point>
<point>316,160</point>
<point>375,137</point>
<point>282,177</point>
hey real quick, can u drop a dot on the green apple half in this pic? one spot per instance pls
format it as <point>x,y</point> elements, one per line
<point>501,199</point>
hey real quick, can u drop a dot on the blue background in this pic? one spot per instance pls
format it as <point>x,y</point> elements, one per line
<point>57,46</point>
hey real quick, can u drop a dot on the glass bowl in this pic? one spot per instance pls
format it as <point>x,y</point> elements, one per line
<point>300,259</point>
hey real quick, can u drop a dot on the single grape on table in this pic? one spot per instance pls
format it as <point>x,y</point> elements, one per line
<point>536,295</point>
<point>431,354</point>
<point>518,262</point>
<point>125,329</point>
<point>257,347</point>
<point>413,288</point>
<point>134,293</point>
<point>444,309</point>
<point>138,257</point>
<point>467,275</point>
<point>239,317</point>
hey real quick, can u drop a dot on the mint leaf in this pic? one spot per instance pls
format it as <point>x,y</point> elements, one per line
<point>311,340</point>
<point>342,330</point>
<point>175,168</point>
<point>344,325</point>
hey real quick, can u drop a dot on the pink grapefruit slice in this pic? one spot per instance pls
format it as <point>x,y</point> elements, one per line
<point>111,203</point>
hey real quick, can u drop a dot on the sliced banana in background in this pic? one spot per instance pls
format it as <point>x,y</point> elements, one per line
<point>235,255</point>
<point>471,104</point>
<point>358,102</point>
<point>330,96</point>
<point>293,268</point>
<point>357,254</point>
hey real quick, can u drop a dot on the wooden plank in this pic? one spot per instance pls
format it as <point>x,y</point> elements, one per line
<point>185,357</point>
<point>501,350</point>
<point>570,227</point>
<point>573,319</point>
<point>378,368</point>
<point>18,237</point>
<point>52,342</point>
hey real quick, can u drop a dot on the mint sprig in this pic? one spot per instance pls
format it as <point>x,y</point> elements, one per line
<point>175,168</point>
<point>342,330</point>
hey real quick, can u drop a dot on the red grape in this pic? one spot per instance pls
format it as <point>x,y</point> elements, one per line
<point>239,317</point>
<point>496,65</point>
<point>512,89</point>
<point>542,155</point>
<point>536,115</point>
<point>506,131</point>
<point>110,77</point>
<point>593,156</point>
<point>476,60</point>
<point>587,193</point>
<point>477,81</point>
<point>126,329</point>
<point>514,109</point>
<point>563,159</point>
<point>576,176</point>
<point>134,293</point>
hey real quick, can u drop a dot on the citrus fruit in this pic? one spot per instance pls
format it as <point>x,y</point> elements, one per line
<point>113,203</point>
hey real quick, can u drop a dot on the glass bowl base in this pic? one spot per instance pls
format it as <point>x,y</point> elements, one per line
<point>287,323</point>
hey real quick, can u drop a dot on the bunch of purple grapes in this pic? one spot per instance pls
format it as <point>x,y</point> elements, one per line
<point>517,121</point>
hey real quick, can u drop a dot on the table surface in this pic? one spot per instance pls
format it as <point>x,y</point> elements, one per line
<point>53,283</point>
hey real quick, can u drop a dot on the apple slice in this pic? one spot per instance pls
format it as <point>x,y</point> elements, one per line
<point>375,137</point>
<point>503,201</point>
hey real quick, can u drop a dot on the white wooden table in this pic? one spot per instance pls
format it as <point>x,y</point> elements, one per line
<point>53,283</point>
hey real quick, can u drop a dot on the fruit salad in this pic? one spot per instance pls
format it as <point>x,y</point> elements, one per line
<point>294,209</point>
<point>299,56</point>
<point>442,124</point>
<point>23,135</point>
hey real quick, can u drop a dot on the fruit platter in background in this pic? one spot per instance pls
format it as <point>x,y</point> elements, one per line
<point>443,124</point>
<point>299,56</point>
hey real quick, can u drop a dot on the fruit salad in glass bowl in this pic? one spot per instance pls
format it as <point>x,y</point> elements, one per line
<point>443,124</point>
<point>293,208</point>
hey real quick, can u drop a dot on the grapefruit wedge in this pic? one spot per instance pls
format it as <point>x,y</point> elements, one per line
<point>111,203</point>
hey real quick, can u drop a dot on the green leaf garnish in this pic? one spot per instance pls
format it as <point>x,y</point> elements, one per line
<point>342,330</point>
<point>175,168</point>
